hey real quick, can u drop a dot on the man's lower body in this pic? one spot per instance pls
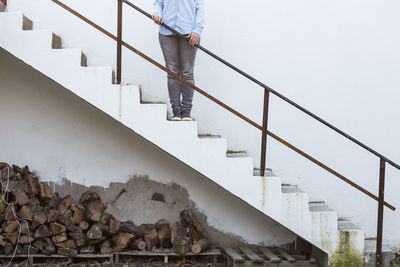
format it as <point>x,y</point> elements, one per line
<point>179,57</point>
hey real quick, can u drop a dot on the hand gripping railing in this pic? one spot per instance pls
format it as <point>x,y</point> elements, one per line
<point>264,126</point>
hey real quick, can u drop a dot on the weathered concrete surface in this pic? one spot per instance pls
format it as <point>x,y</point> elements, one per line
<point>142,200</point>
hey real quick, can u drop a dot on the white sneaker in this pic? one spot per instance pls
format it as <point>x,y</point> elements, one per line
<point>176,119</point>
<point>187,119</point>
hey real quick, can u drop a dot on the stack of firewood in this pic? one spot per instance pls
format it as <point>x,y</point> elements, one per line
<point>34,220</point>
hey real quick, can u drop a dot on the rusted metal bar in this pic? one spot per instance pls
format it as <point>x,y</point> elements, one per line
<point>284,98</point>
<point>238,114</point>
<point>379,234</point>
<point>119,42</point>
<point>280,140</point>
<point>264,133</point>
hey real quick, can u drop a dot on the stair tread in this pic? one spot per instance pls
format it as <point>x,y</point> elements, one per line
<point>291,189</point>
<point>316,208</point>
<point>208,136</point>
<point>347,226</point>
<point>237,154</point>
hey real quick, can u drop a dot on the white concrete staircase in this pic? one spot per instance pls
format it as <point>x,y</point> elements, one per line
<point>208,155</point>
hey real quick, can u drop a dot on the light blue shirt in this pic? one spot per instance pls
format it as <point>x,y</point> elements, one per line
<point>184,16</point>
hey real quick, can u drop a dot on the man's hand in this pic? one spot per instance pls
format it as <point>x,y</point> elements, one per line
<point>157,19</point>
<point>194,38</point>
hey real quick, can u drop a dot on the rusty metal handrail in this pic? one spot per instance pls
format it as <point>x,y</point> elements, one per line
<point>286,99</point>
<point>264,127</point>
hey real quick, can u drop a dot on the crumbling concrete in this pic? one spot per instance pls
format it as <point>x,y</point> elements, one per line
<point>142,200</point>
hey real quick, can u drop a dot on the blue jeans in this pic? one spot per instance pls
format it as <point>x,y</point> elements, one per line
<point>179,57</point>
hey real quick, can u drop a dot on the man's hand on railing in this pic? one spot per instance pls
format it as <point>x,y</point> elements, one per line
<point>193,38</point>
<point>157,19</point>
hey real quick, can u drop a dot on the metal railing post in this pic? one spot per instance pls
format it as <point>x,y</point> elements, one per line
<point>264,133</point>
<point>379,235</point>
<point>119,42</point>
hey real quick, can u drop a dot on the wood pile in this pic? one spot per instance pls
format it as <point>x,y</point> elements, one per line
<point>36,221</point>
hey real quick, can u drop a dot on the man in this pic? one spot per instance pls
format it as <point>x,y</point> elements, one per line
<point>186,17</point>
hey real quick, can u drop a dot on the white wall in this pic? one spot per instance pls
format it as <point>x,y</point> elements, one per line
<point>61,136</point>
<point>340,59</point>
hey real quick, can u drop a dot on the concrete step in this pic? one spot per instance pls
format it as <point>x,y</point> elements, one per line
<point>15,21</point>
<point>349,233</point>
<point>236,154</point>
<point>72,56</point>
<point>267,172</point>
<point>324,226</point>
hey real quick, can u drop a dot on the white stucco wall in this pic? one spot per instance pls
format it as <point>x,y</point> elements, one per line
<point>61,136</point>
<point>339,59</point>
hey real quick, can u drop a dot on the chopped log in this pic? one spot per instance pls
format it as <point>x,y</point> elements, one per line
<point>84,225</point>
<point>20,198</point>
<point>4,165</point>
<point>93,205</point>
<point>45,245</point>
<point>96,231</point>
<point>128,227</point>
<point>8,248</point>
<point>77,234</point>
<point>94,209</point>
<point>14,186</point>
<point>25,213</point>
<point>66,218</point>
<point>16,168</point>
<point>179,239</point>
<point>12,237</point>
<point>54,201</point>
<point>33,185</point>
<point>60,238</point>
<point>200,246</point>
<point>10,226</point>
<point>1,241</point>
<point>25,239</point>
<point>137,244</point>
<point>25,170</point>
<point>88,249</point>
<point>78,216</point>
<point>40,217</point>
<point>3,206</point>
<point>193,228</point>
<point>105,248</point>
<point>181,247</point>
<point>65,203</point>
<point>53,216</point>
<point>97,241</point>
<point>18,250</point>
<point>178,233</point>
<point>29,250</point>
<point>42,231</point>
<point>45,191</point>
<point>25,228</point>
<point>114,226</point>
<point>9,212</point>
<point>164,233</point>
<point>105,218</point>
<point>57,228</point>
<point>69,252</point>
<point>1,218</point>
<point>67,244</point>
<point>122,240</point>
<point>144,229</point>
<point>151,239</point>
